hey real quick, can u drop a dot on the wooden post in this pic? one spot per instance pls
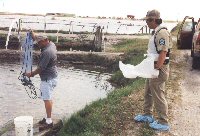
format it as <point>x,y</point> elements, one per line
<point>146,29</point>
<point>142,29</point>
<point>19,26</point>
<point>98,38</point>
<point>45,24</point>
<point>19,29</point>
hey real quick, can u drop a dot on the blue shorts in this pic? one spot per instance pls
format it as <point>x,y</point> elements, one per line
<point>46,88</point>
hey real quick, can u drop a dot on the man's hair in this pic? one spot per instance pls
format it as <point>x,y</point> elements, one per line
<point>158,21</point>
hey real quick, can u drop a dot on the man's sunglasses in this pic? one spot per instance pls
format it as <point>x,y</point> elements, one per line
<point>149,20</point>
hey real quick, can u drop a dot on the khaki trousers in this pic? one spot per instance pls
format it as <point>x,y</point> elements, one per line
<point>155,95</point>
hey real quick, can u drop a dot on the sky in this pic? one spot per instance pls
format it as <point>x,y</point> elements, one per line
<point>169,9</point>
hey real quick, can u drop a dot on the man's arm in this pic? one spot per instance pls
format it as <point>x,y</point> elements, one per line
<point>33,35</point>
<point>161,59</point>
<point>33,73</point>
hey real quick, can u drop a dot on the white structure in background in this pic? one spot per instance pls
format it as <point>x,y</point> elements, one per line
<point>145,69</point>
<point>2,6</point>
<point>9,32</point>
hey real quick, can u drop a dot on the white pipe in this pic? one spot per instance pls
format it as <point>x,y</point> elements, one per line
<point>9,32</point>
<point>58,32</point>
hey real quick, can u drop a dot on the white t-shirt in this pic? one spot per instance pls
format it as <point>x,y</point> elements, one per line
<point>151,46</point>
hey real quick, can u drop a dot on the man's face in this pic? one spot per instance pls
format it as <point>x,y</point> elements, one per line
<point>41,43</point>
<point>151,23</point>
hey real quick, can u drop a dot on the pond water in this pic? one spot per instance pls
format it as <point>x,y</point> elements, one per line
<point>75,89</point>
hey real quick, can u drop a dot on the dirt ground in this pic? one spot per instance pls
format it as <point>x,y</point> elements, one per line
<point>187,112</point>
<point>184,106</point>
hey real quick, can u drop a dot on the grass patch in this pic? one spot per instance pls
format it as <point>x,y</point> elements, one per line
<point>102,117</point>
<point>134,50</point>
<point>60,39</point>
<point>131,45</point>
<point>146,131</point>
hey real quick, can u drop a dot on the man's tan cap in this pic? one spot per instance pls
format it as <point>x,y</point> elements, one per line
<point>153,14</point>
<point>40,37</point>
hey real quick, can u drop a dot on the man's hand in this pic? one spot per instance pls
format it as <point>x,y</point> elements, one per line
<point>32,34</point>
<point>31,74</point>
<point>28,75</point>
<point>156,66</point>
<point>161,60</point>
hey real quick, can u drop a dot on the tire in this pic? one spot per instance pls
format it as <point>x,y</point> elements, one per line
<point>195,62</point>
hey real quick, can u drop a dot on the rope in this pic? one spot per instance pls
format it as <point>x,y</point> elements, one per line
<point>27,60</point>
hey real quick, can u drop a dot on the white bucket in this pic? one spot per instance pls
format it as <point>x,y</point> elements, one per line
<point>23,126</point>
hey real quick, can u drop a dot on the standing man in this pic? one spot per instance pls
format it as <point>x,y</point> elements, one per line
<point>159,44</point>
<point>48,74</point>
